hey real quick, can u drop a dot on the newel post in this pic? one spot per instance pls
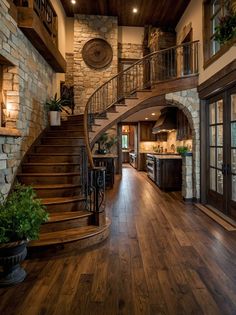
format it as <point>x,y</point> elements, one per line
<point>97,194</point>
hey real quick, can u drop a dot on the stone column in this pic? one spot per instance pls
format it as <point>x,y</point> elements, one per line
<point>187,178</point>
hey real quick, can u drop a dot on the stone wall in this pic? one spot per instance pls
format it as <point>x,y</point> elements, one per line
<point>130,51</point>
<point>188,101</point>
<point>69,75</point>
<point>26,86</point>
<point>87,79</point>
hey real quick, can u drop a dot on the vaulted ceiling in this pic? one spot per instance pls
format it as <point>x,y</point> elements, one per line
<point>165,13</point>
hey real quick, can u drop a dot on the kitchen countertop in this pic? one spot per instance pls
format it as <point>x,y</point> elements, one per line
<point>105,156</point>
<point>166,156</point>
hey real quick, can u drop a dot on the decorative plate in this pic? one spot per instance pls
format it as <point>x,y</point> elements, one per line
<point>97,53</point>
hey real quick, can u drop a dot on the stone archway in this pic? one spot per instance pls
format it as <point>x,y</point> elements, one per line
<point>188,102</point>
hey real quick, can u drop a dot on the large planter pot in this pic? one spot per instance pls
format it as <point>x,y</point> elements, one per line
<point>55,118</point>
<point>11,254</point>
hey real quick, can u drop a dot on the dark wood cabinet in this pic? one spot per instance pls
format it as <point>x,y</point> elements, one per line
<point>142,162</point>
<point>184,131</point>
<point>146,131</point>
<point>169,174</point>
<point>109,163</point>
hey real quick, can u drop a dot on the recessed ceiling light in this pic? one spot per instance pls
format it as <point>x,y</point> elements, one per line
<point>135,10</point>
<point>153,114</point>
<point>73,1</point>
<point>146,118</point>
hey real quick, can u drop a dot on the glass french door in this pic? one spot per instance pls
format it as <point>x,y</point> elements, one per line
<point>221,178</point>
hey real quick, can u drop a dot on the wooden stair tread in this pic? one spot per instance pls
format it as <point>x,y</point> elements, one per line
<point>69,215</point>
<point>60,200</point>
<point>79,137</point>
<point>49,163</point>
<point>55,186</point>
<point>69,235</point>
<point>54,154</point>
<point>49,174</point>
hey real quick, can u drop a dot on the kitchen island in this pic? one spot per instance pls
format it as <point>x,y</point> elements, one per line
<point>107,161</point>
<point>165,170</point>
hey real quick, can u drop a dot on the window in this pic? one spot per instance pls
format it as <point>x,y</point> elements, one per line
<point>125,141</point>
<point>214,10</point>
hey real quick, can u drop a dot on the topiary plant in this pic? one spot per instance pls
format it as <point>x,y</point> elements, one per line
<point>21,215</point>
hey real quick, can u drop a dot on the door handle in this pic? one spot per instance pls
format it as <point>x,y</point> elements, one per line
<point>225,169</point>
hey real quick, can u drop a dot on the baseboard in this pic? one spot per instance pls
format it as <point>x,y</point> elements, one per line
<point>224,221</point>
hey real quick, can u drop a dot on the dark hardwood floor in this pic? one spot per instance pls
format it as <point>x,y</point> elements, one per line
<point>162,257</point>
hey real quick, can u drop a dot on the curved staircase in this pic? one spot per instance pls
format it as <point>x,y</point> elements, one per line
<point>54,168</point>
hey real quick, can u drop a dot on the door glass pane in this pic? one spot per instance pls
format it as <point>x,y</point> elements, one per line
<point>212,135</point>
<point>219,157</point>
<point>233,107</point>
<point>220,182</point>
<point>220,135</point>
<point>233,161</point>
<point>212,179</point>
<point>219,109</point>
<point>234,188</point>
<point>212,119</point>
<point>233,134</point>
<point>212,157</point>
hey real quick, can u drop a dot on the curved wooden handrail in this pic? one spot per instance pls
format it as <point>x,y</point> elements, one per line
<point>162,60</point>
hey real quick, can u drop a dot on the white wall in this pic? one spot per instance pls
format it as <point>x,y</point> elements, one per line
<point>194,15</point>
<point>129,34</point>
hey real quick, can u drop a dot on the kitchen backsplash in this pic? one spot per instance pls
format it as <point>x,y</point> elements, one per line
<point>167,146</point>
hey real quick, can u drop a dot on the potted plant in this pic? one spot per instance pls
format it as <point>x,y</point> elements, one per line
<point>55,106</point>
<point>226,29</point>
<point>184,151</point>
<point>21,215</point>
<point>105,143</point>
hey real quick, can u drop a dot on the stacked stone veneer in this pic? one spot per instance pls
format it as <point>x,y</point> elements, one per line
<point>87,79</point>
<point>187,177</point>
<point>26,86</point>
<point>188,102</point>
<point>69,75</point>
<point>130,51</point>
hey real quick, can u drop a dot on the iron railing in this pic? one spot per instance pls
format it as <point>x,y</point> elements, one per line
<point>171,63</point>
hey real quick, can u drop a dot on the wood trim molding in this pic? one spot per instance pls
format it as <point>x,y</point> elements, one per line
<point>220,81</point>
<point>12,10</point>
<point>33,28</point>
<point>9,132</point>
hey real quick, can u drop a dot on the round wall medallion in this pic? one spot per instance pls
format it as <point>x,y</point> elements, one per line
<point>97,53</point>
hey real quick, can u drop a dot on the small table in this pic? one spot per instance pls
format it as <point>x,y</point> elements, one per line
<point>107,161</point>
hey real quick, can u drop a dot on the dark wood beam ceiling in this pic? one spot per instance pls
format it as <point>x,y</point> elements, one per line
<point>164,13</point>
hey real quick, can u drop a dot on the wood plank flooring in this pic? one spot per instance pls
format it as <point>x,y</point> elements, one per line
<point>162,257</point>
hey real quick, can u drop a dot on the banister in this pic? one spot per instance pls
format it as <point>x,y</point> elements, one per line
<point>174,62</point>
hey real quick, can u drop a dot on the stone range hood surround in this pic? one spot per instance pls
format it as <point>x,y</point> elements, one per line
<point>167,120</point>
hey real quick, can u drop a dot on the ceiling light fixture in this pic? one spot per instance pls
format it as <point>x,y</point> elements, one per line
<point>73,1</point>
<point>146,118</point>
<point>135,10</point>
<point>153,114</point>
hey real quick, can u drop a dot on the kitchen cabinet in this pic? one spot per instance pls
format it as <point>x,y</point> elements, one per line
<point>184,131</point>
<point>169,173</point>
<point>125,156</point>
<point>146,131</point>
<point>142,161</point>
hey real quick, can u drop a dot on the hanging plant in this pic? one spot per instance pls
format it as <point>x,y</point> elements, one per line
<point>226,30</point>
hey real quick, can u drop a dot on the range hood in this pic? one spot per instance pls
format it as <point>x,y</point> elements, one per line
<point>167,120</point>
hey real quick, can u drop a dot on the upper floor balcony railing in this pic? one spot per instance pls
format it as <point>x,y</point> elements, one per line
<point>46,14</point>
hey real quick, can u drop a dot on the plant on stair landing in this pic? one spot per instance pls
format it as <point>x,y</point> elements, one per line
<point>55,106</point>
<point>21,215</point>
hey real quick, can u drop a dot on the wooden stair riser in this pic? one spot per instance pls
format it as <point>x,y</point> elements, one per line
<point>65,133</point>
<point>67,126</point>
<point>62,141</point>
<point>66,168</point>
<point>72,123</point>
<point>53,158</point>
<point>66,206</point>
<point>58,192</point>
<point>63,225</point>
<point>59,149</point>
<point>52,179</point>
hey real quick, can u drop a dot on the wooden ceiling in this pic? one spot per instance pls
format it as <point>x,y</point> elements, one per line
<point>165,13</point>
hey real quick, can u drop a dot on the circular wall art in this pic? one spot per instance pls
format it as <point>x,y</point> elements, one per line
<point>97,53</point>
